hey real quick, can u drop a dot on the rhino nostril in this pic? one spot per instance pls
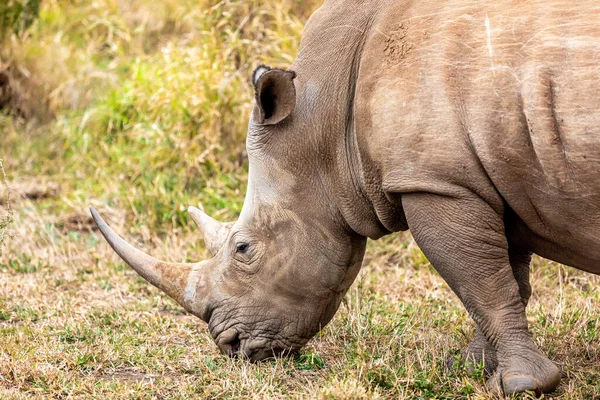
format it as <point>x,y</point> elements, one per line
<point>235,344</point>
<point>229,342</point>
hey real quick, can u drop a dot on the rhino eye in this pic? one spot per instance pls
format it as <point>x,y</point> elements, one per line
<point>242,248</point>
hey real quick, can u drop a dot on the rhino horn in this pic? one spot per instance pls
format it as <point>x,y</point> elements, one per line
<point>214,232</point>
<point>180,281</point>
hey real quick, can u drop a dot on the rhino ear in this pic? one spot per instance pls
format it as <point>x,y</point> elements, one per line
<point>258,72</point>
<point>275,94</point>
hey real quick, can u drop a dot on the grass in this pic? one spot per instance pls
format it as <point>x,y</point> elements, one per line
<point>139,108</point>
<point>7,219</point>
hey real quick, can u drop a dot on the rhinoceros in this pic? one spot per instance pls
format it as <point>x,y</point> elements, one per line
<point>475,124</point>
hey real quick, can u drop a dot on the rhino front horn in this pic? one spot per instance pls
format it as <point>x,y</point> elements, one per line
<point>214,232</point>
<point>187,284</point>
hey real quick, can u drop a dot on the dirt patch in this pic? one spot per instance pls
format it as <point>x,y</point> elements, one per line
<point>76,222</point>
<point>131,375</point>
<point>128,375</point>
<point>34,190</point>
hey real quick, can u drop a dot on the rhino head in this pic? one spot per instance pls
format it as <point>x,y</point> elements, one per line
<point>278,273</point>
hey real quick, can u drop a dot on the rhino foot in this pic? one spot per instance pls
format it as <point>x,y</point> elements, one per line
<point>543,378</point>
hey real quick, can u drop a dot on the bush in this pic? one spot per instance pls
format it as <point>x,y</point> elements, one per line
<point>16,16</point>
<point>152,100</point>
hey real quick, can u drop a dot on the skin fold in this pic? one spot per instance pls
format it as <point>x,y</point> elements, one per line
<point>475,124</point>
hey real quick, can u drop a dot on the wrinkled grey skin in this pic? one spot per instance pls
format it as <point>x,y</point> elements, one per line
<point>476,124</point>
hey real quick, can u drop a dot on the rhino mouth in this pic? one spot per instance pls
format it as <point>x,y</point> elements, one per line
<point>240,346</point>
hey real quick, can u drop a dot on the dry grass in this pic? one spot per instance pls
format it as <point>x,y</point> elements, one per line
<point>150,102</point>
<point>6,218</point>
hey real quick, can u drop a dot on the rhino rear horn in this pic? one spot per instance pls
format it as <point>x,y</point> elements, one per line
<point>214,232</point>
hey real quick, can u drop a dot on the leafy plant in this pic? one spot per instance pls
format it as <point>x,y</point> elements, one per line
<point>309,362</point>
<point>17,16</point>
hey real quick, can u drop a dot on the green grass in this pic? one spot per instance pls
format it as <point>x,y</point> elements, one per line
<point>141,110</point>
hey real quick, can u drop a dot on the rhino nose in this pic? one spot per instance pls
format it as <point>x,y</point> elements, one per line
<point>229,342</point>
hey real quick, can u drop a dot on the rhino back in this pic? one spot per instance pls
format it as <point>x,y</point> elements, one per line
<point>498,97</point>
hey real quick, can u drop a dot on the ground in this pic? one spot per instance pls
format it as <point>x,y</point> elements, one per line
<point>140,110</point>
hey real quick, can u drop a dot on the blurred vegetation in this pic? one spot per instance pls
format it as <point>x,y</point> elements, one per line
<point>17,15</point>
<point>15,18</point>
<point>5,220</point>
<point>142,105</point>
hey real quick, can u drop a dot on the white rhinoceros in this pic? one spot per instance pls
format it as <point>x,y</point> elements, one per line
<point>475,124</point>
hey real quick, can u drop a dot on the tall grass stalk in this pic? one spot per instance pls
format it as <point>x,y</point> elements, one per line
<point>8,219</point>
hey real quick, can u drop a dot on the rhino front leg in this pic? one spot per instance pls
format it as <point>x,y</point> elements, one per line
<point>464,239</point>
<point>480,350</point>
